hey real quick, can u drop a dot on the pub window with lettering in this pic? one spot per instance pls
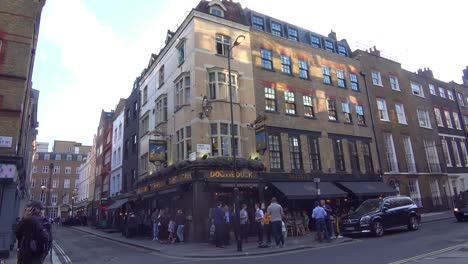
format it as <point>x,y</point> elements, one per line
<point>221,139</point>
<point>274,147</point>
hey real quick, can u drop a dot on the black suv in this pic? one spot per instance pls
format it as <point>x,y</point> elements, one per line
<point>461,206</point>
<point>377,215</point>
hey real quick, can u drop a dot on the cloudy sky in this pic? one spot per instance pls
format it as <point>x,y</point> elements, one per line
<point>90,51</point>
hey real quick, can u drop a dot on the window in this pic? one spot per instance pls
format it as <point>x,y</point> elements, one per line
<point>332,114</point>
<point>376,80</point>
<point>79,158</point>
<point>450,95</point>
<point>413,186</point>
<point>423,117</point>
<point>326,75</point>
<point>465,121</point>
<point>120,131</point>
<point>456,154</point>
<point>339,155</point>
<point>66,198</point>
<point>303,69</point>
<point>34,169</point>
<point>346,112</point>
<point>216,12</point>
<point>394,83</point>
<point>258,23</point>
<point>144,126</point>
<point>292,34</point>
<point>341,78</point>
<point>134,143</point>
<point>342,50</point>
<point>367,157</point>
<point>442,92</point>
<point>315,41</point>
<point>77,170</point>
<point>119,155</point>
<point>181,52</point>
<point>354,157</point>
<point>438,117</point>
<point>464,152</point>
<point>361,120</point>
<point>68,170</point>
<point>135,110</point>
<point>43,182</point>
<point>161,76</point>
<point>221,139</point>
<point>382,108</point>
<point>432,89</point>
<point>69,157</point>
<point>115,135</point>
<point>417,89</point>
<point>270,99</point>
<point>456,120</point>
<point>184,142</point>
<point>274,148</point>
<point>145,94</point>
<point>431,155</point>
<point>314,154</point>
<point>290,102</point>
<point>308,106</point>
<point>392,163</point>
<point>55,183</point>
<point>409,156</point>
<point>285,64</point>
<point>354,82</point>
<point>267,59</point>
<point>161,109</point>
<point>295,153</point>
<point>56,169</point>
<point>107,157</point>
<point>58,157</point>
<point>329,46</point>
<point>46,156</point>
<point>127,117</point>
<point>144,162</point>
<point>448,119</point>
<point>43,197</point>
<point>276,29</point>
<point>66,183</point>
<point>219,87</point>
<point>45,169</point>
<point>400,111</point>
<point>461,99</point>
<point>435,192</point>
<point>223,43</point>
<point>33,183</point>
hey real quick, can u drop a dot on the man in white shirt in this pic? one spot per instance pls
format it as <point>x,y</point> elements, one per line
<point>259,222</point>
<point>276,212</point>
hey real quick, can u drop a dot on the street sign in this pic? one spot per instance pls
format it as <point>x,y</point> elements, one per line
<point>192,156</point>
<point>316,179</point>
<point>5,142</point>
<point>204,148</point>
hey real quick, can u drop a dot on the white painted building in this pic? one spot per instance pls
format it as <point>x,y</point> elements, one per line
<point>86,177</point>
<point>117,149</point>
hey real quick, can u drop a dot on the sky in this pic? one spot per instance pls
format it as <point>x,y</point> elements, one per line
<point>90,51</point>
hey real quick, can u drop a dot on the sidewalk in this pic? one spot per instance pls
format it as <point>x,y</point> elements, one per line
<point>55,259</point>
<point>431,217</point>
<point>205,250</point>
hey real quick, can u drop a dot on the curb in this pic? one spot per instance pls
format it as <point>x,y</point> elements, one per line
<point>437,218</point>
<point>246,254</point>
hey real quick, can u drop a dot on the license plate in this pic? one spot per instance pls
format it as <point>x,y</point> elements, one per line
<point>349,228</point>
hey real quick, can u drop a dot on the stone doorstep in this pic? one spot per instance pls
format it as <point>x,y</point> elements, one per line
<point>210,251</point>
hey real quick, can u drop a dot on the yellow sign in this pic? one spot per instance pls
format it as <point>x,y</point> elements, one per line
<point>187,176</point>
<point>142,189</point>
<point>230,174</point>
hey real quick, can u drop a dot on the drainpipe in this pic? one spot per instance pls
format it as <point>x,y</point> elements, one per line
<point>363,74</point>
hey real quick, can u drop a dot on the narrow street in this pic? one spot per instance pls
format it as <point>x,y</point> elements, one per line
<point>396,246</point>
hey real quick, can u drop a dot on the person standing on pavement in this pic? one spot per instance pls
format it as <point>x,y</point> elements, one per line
<point>180,223</point>
<point>218,216</point>
<point>276,212</point>
<point>259,222</point>
<point>155,221</point>
<point>267,227</point>
<point>319,214</point>
<point>244,222</point>
<point>227,227</point>
<point>328,218</point>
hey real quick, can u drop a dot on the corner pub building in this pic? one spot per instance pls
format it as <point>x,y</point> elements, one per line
<point>289,132</point>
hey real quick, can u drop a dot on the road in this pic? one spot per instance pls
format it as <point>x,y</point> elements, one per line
<point>393,247</point>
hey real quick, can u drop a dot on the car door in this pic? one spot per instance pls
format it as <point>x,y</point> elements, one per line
<point>389,214</point>
<point>401,211</point>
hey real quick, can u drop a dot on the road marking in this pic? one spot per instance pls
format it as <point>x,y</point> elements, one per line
<point>62,253</point>
<point>440,251</point>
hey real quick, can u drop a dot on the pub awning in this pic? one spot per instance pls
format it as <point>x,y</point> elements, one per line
<point>368,188</point>
<point>117,204</point>
<point>307,190</point>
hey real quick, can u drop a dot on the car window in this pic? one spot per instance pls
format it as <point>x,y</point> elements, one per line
<point>394,203</point>
<point>369,206</point>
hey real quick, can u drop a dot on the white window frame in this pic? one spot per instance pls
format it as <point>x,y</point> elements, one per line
<point>56,169</point>
<point>461,99</point>
<point>445,150</point>
<point>438,116</point>
<point>409,154</point>
<point>450,95</point>
<point>161,109</point>
<point>394,83</point>
<point>290,100</point>
<point>55,183</point>
<point>423,118</point>
<point>382,109</point>
<point>435,192</point>
<point>432,156</point>
<point>415,193</point>
<point>456,120</point>
<point>376,78</point>
<point>456,154</point>
<point>346,109</point>
<point>219,89</point>
<point>34,169</point>
<point>432,89</point>
<point>464,152</point>
<point>442,92</point>
<point>448,119</point>
<point>224,140</point>
<point>184,142</point>
<point>417,89</point>
<point>33,183</point>
<point>223,43</point>
<point>400,111</point>
<point>68,170</point>
<point>216,11</point>
<point>392,161</point>
<point>66,183</point>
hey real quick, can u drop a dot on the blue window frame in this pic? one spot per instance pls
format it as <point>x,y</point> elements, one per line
<point>329,46</point>
<point>354,82</point>
<point>276,29</point>
<point>342,50</point>
<point>292,34</point>
<point>303,69</point>
<point>315,41</point>
<point>258,23</point>
<point>286,64</point>
<point>267,59</point>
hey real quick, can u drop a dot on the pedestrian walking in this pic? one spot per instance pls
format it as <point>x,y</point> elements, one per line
<point>328,218</point>
<point>319,214</point>
<point>276,212</point>
<point>155,221</point>
<point>33,234</point>
<point>244,223</point>
<point>180,223</point>
<point>227,226</point>
<point>219,222</point>
<point>259,215</point>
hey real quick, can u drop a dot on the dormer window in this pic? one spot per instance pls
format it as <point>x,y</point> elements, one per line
<point>216,11</point>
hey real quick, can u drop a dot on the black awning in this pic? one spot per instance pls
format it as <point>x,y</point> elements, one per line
<point>307,190</point>
<point>117,204</point>
<point>368,188</point>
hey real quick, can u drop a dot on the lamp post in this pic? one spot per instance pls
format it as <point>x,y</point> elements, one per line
<point>237,42</point>
<point>48,203</point>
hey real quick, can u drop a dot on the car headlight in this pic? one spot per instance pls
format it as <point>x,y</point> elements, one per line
<point>365,220</point>
<point>455,209</point>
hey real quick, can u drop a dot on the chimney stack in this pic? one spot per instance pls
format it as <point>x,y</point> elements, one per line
<point>465,76</point>
<point>332,35</point>
<point>426,73</point>
<point>375,52</point>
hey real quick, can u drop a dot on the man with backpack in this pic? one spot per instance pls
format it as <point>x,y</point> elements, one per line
<point>34,235</point>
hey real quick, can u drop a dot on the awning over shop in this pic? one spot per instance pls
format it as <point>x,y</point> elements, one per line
<point>117,204</point>
<point>373,188</point>
<point>307,190</point>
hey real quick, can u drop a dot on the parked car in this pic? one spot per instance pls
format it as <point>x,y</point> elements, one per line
<point>375,216</point>
<point>461,207</point>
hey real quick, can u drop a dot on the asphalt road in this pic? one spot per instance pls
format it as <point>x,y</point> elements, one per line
<point>393,247</point>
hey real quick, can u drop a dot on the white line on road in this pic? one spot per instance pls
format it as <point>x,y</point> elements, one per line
<point>430,254</point>
<point>62,253</point>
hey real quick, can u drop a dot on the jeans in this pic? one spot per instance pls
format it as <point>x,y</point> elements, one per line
<point>180,233</point>
<point>321,228</point>
<point>277,232</point>
<point>155,230</point>
<point>259,227</point>
<point>329,228</point>
<point>244,231</point>
<point>267,229</point>
<point>219,234</point>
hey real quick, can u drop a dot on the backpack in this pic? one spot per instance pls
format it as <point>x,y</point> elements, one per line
<point>40,240</point>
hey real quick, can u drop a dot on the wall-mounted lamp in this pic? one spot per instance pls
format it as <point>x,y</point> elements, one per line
<point>206,108</point>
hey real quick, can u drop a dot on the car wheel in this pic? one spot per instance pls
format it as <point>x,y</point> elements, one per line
<point>413,223</point>
<point>377,228</point>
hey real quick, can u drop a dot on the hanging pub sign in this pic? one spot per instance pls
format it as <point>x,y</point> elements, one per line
<point>157,151</point>
<point>260,138</point>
